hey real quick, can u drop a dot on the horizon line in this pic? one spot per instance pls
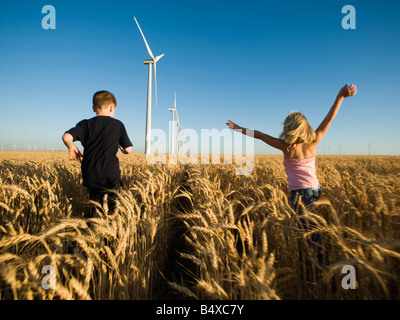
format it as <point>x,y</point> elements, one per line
<point>213,154</point>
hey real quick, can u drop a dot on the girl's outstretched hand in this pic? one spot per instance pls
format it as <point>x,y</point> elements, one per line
<point>233,125</point>
<point>348,91</point>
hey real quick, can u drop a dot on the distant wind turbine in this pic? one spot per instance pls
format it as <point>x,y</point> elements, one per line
<point>171,147</point>
<point>174,112</point>
<point>178,129</point>
<point>151,62</point>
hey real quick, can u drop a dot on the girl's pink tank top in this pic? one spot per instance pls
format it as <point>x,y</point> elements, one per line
<point>301,174</point>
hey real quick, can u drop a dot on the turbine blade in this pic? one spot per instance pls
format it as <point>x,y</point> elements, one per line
<point>155,74</point>
<point>147,45</point>
<point>176,111</point>
<point>158,58</point>
<point>177,117</point>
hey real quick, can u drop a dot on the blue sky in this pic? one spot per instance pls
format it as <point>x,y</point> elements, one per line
<point>249,61</point>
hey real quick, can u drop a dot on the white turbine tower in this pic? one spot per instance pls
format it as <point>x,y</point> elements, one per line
<point>151,62</point>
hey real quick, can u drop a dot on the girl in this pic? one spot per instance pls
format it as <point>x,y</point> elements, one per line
<point>298,142</point>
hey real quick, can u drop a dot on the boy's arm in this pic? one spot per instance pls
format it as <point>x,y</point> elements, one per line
<point>125,144</point>
<point>126,150</point>
<point>74,153</point>
<point>273,142</point>
<point>345,92</point>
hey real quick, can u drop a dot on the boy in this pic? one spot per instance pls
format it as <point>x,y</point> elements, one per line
<point>100,136</point>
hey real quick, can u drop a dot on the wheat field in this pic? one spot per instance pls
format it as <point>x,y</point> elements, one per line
<point>198,231</point>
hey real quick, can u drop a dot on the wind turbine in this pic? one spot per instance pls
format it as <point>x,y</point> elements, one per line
<point>172,127</point>
<point>178,128</point>
<point>150,63</point>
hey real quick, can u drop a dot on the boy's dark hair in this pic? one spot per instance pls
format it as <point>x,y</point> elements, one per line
<point>103,97</point>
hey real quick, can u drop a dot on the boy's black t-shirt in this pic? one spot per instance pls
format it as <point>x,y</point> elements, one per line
<point>101,137</point>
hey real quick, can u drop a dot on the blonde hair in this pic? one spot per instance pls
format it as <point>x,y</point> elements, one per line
<point>101,98</point>
<point>296,129</point>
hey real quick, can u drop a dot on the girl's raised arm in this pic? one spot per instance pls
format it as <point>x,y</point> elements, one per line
<point>273,142</point>
<point>345,92</point>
